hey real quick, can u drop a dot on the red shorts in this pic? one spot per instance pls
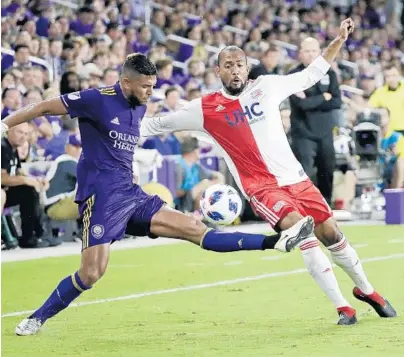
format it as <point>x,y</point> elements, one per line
<point>274,203</point>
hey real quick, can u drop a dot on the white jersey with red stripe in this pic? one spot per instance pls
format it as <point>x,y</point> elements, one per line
<point>247,128</point>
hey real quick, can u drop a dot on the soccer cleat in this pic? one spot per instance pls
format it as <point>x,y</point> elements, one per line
<point>347,316</point>
<point>28,326</point>
<point>291,237</point>
<point>379,303</point>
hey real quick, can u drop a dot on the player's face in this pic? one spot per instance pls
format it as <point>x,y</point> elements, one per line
<point>233,71</point>
<point>139,87</point>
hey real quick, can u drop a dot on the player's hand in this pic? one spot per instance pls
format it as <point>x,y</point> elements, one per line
<point>346,28</point>
<point>327,96</point>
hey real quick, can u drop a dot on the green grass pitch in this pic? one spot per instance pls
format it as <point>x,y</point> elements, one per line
<point>276,311</point>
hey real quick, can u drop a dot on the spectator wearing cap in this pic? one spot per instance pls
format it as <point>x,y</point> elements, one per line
<point>391,96</point>
<point>192,179</point>
<point>12,101</point>
<point>85,22</point>
<point>143,42</point>
<point>59,197</point>
<point>93,73</point>
<point>165,73</point>
<point>269,63</point>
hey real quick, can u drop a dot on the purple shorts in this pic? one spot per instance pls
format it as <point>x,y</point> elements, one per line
<point>106,215</point>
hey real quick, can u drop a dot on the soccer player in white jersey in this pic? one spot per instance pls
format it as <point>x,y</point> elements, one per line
<point>244,121</point>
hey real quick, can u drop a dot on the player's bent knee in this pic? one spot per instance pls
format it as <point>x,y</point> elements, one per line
<point>90,274</point>
<point>289,220</point>
<point>328,232</point>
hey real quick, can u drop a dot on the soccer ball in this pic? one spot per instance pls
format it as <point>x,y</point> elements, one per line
<point>220,204</point>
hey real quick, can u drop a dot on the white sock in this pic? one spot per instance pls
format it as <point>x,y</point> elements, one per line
<point>346,257</point>
<point>319,266</point>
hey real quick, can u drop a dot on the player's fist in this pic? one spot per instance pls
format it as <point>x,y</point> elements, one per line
<point>346,28</point>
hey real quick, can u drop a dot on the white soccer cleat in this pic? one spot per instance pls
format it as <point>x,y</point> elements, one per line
<point>292,237</point>
<point>28,326</point>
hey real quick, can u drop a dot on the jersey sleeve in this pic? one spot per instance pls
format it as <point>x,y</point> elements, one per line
<point>83,104</point>
<point>299,81</point>
<point>189,118</point>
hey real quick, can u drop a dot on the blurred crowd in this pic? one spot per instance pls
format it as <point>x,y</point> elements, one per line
<point>50,49</point>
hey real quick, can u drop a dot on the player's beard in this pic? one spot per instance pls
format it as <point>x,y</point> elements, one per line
<point>234,91</point>
<point>133,100</point>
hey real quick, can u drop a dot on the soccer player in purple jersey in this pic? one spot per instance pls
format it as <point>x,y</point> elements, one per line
<point>109,201</point>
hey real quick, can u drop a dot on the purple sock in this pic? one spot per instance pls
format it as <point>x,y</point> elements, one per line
<point>219,241</point>
<point>68,289</point>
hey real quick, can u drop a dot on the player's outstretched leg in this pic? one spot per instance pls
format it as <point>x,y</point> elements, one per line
<point>320,268</point>
<point>174,224</point>
<point>94,262</point>
<point>345,256</point>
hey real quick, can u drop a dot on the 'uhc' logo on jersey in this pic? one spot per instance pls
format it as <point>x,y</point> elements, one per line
<point>251,114</point>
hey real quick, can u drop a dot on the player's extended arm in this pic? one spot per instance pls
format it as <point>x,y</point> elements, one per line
<point>53,106</point>
<point>300,81</point>
<point>189,118</point>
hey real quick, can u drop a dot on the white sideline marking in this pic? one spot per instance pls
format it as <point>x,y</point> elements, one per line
<point>201,286</point>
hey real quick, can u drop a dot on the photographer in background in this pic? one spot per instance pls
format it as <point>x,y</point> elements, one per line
<point>22,190</point>
<point>313,117</point>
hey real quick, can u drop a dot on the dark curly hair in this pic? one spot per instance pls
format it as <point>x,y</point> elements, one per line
<point>138,63</point>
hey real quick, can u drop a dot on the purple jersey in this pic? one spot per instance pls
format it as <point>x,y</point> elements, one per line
<point>109,129</point>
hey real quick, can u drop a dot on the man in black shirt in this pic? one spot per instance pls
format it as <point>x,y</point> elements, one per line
<point>314,115</point>
<point>269,63</point>
<point>22,190</point>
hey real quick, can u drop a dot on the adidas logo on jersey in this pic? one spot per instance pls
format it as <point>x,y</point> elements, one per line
<point>219,108</point>
<point>115,121</point>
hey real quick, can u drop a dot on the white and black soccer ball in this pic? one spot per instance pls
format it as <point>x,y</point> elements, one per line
<point>220,204</point>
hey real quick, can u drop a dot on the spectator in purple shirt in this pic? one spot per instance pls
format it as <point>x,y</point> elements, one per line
<point>165,73</point>
<point>12,101</point>
<point>125,16</point>
<point>21,58</point>
<point>42,23</point>
<point>142,45</point>
<point>85,22</point>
